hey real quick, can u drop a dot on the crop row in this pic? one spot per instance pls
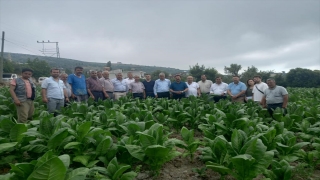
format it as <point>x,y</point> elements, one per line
<point>105,139</point>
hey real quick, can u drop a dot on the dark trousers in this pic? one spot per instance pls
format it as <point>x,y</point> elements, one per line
<point>163,95</point>
<point>272,107</point>
<point>97,95</point>
<point>178,96</point>
<point>137,95</point>
<point>150,94</point>
<point>218,98</point>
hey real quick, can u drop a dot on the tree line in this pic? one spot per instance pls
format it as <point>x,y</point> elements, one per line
<point>298,77</point>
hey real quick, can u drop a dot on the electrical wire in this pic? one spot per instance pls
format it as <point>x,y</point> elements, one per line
<point>22,47</point>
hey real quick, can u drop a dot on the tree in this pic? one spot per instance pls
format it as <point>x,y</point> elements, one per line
<point>8,66</point>
<point>233,69</point>
<point>249,73</point>
<point>155,74</point>
<point>39,67</point>
<point>300,77</point>
<point>265,75</point>
<point>196,71</point>
<point>68,71</point>
<point>109,64</point>
<point>280,80</point>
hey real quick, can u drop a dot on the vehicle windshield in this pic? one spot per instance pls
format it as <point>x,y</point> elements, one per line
<point>6,75</point>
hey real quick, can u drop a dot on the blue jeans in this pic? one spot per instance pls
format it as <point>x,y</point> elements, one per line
<point>54,105</point>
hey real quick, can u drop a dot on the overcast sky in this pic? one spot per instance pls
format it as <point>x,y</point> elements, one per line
<point>271,35</point>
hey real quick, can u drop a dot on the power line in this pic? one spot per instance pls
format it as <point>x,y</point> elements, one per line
<point>46,51</point>
<point>18,29</point>
<point>21,44</point>
<point>22,47</point>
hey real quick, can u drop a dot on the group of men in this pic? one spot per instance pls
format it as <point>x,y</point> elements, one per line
<point>59,89</point>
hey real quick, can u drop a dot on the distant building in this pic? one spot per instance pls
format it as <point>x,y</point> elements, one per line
<point>112,74</point>
<point>272,75</point>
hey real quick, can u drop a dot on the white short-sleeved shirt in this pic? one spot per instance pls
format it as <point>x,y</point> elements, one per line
<point>54,88</point>
<point>257,95</point>
<point>192,89</point>
<point>218,89</point>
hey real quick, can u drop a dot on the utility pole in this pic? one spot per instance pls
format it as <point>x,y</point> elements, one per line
<point>1,58</point>
<point>50,51</point>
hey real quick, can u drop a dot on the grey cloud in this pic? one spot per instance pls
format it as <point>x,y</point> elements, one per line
<point>172,33</point>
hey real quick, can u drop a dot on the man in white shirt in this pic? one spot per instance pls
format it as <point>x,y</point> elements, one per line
<point>193,87</point>
<point>205,85</point>
<point>258,89</point>
<point>218,90</point>
<point>129,79</point>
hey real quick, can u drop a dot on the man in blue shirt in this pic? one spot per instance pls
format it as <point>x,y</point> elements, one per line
<point>236,90</point>
<point>148,85</point>
<point>161,87</point>
<point>178,88</point>
<point>78,85</point>
<point>120,87</point>
<point>54,92</point>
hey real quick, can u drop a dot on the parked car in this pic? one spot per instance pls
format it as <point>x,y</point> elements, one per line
<point>41,79</point>
<point>7,77</point>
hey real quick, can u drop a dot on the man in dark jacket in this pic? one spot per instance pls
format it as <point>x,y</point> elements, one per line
<point>22,91</point>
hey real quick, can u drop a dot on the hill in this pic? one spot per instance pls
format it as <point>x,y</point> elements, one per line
<point>71,63</point>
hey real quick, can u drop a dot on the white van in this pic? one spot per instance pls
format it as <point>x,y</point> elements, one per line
<point>7,77</point>
<point>41,79</point>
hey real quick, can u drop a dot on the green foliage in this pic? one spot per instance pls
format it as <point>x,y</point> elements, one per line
<point>189,143</point>
<point>300,77</point>
<point>196,71</point>
<point>155,74</point>
<point>233,69</point>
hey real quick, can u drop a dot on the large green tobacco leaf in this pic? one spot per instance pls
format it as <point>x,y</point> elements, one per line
<point>103,146</point>
<point>157,152</point>
<point>128,176</point>
<point>46,127</point>
<point>136,151</point>
<point>6,125</point>
<point>218,168</point>
<point>16,132</point>
<point>21,170</point>
<point>83,129</point>
<point>82,159</point>
<point>238,139</point>
<point>52,169</point>
<point>65,159</point>
<point>72,145</point>
<point>7,146</point>
<point>56,139</point>
<point>187,135</point>
<point>77,174</point>
<point>242,164</point>
<point>146,140</point>
<point>255,148</point>
<point>121,169</point>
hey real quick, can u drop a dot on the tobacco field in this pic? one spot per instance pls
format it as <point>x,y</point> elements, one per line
<point>163,139</point>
